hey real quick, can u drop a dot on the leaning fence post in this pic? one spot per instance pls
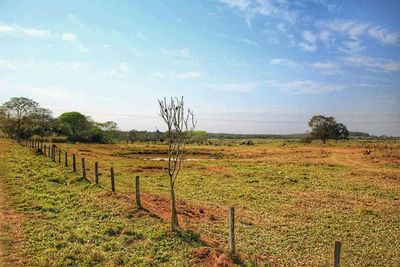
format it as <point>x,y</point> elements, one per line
<point>59,155</point>
<point>66,158</point>
<point>96,172</point>
<point>73,163</point>
<point>232,232</point>
<point>336,254</point>
<point>138,193</point>
<point>83,168</point>
<point>112,180</point>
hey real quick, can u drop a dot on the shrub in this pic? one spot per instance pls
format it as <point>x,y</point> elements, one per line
<point>57,139</point>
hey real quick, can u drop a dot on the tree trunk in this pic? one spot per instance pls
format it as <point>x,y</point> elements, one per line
<point>324,141</point>
<point>174,216</point>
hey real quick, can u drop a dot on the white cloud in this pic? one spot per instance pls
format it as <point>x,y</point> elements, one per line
<point>6,28</point>
<point>249,42</point>
<point>15,29</point>
<point>384,36</point>
<point>238,87</point>
<point>142,36</point>
<point>74,19</point>
<point>305,86</point>
<point>69,37</point>
<point>188,75</point>
<point>354,30</point>
<point>24,32</point>
<point>283,62</point>
<point>351,47</point>
<point>309,37</point>
<point>326,37</point>
<point>240,4</point>
<point>53,93</point>
<point>308,47</point>
<point>179,53</point>
<point>374,64</point>
<point>309,43</point>
<point>327,67</point>
<point>273,9</point>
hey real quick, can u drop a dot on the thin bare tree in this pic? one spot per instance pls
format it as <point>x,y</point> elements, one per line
<point>180,123</point>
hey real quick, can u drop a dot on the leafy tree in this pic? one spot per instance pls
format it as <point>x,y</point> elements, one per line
<point>43,122</point>
<point>340,132</point>
<point>110,130</point>
<point>16,117</point>
<point>199,137</point>
<point>74,125</point>
<point>132,136</point>
<point>325,128</point>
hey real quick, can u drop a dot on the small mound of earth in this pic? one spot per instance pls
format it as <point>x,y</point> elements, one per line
<point>210,257</point>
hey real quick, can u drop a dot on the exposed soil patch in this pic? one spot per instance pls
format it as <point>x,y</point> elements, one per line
<point>189,215</point>
<point>11,233</point>
<point>210,258</point>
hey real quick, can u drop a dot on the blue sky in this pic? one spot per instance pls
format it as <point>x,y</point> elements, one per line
<point>244,66</point>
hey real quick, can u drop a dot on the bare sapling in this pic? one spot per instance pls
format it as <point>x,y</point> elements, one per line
<point>180,123</point>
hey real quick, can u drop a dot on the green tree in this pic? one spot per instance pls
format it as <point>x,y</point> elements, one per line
<point>74,125</point>
<point>325,128</point>
<point>16,117</point>
<point>199,137</point>
<point>110,130</point>
<point>43,122</point>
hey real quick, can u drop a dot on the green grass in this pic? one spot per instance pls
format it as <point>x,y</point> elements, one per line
<point>70,222</point>
<point>292,202</point>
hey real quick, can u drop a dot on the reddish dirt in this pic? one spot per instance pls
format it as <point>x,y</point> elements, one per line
<point>210,257</point>
<point>189,216</point>
<point>11,233</point>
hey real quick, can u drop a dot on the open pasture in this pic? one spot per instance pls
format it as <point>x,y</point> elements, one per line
<point>293,200</point>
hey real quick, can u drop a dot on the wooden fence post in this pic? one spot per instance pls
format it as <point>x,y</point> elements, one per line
<point>66,158</point>
<point>336,254</point>
<point>138,204</point>
<point>232,232</point>
<point>73,163</point>
<point>59,155</point>
<point>83,168</point>
<point>112,180</point>
<point>48,151</point>
<point>96,172</point>
<point>45,150</point>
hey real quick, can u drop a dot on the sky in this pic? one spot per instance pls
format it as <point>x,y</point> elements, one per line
<point>243,66</point>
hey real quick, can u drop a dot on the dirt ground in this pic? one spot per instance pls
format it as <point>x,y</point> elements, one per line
<point>11,234</point>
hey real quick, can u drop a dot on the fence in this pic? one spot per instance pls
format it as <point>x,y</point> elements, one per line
<point>50,151</point>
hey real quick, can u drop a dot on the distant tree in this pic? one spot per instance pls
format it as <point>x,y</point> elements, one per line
<point>16,117</point>
<point>43,122</point>
<point>325,128</point>
<point>132,136</point>
<point>180,123</point>
<point>340,132</point>
<point>74,125</point>
<point>199,137</point>
<point>158,135</point>
<point>110,129</point>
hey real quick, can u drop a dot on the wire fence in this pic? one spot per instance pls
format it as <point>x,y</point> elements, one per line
<point>103,175</point>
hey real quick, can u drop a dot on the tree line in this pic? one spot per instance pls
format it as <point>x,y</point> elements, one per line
<point>22,118</point>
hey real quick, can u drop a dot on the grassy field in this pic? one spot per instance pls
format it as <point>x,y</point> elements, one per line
<point>293,201</point>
